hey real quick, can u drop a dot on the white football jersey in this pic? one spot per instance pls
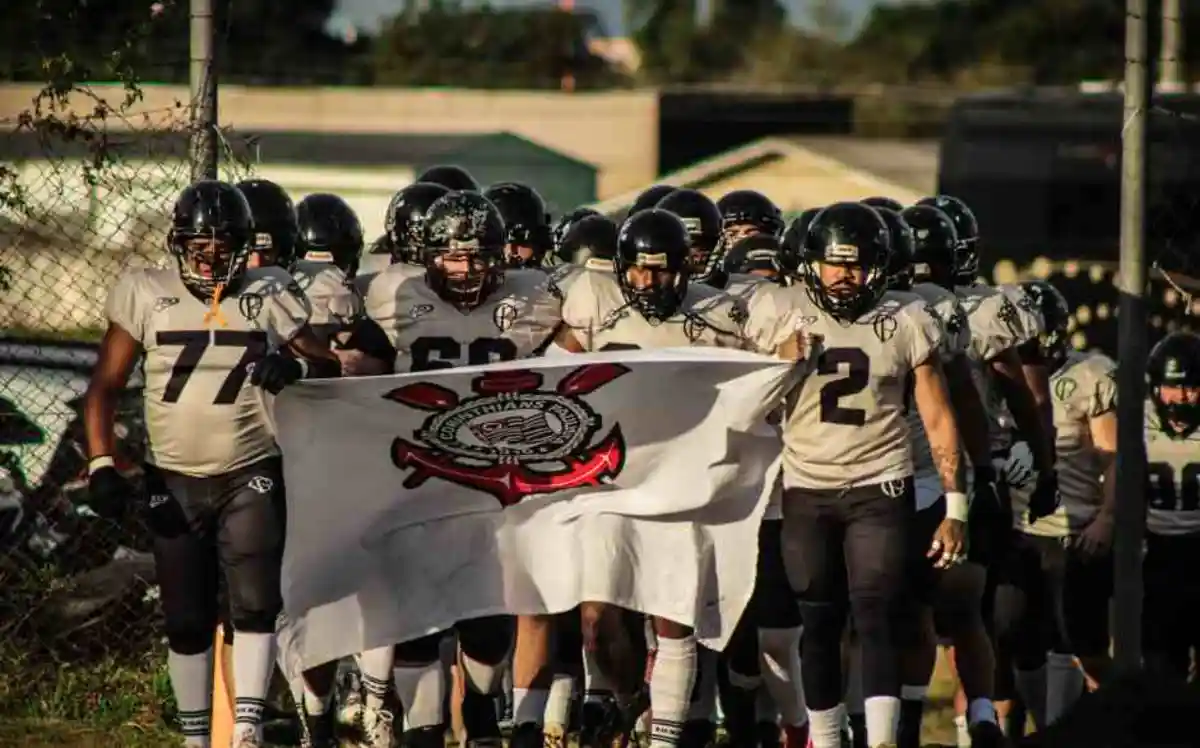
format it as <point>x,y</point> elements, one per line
<point>335,301</point>
<point>996,326</point>
<point>517,320</point>
<point>202,416</point>
<point>1173,467</point>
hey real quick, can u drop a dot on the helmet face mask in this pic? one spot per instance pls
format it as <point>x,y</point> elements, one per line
<point>702,220</point>
<point>846,251</point>
<point>1054,343</point>
<point>527,224</point>
<point>652,264</point>
<point>1173,376</point>
<point>966,256</point>
<point>275,227</point>
<point>463,249</point>
<point>746,213</point>
<point>211,237</point>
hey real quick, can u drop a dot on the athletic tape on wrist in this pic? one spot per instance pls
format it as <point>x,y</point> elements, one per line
<point>100,462</point>
<point>956,506</point>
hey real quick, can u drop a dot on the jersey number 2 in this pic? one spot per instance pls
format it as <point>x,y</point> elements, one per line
<point>195,343</point>
<point>858,375</point>
<point>1166,495</point>
<point>446,353</point>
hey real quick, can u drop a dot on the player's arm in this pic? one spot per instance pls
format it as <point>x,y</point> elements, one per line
<point>968,407</point>
<point>1036,374</point>
<point>1103,430</point>
<point>932,398</point>
<point>364,349</point>
<point>119,352</point>
<point>565,342</point>
<point>1010,378</point>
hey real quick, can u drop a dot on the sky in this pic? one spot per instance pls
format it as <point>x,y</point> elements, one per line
<point>366,14</point>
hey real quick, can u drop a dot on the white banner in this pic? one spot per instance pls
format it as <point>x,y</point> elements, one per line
<point>630,477</point>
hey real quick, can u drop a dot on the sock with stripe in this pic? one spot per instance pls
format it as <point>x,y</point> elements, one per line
<point>671,684</point>
<point>191,681</point>
<point>375,665</point>
<point>253,666</point>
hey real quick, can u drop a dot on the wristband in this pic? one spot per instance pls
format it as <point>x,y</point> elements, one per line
<point>956,506</point>
<point>99,463</point>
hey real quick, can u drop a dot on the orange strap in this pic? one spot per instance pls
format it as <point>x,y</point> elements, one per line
<point>214,311</point>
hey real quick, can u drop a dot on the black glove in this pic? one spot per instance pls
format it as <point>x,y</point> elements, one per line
<point>275,372</point>
<point>109,493</point>
<point>1045,498</point>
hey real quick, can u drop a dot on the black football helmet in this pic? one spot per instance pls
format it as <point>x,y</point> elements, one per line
<point>900,261</point>
<point>449,176</point>
<point>329,232</point>
<point>657,239</point>
<point>792,247</point>
<point>883,202</point>
<point>1175,363</point>
<point>464,227</point>
<point>935,243</point>
<point>967,255</point>
<point>591,243</point>
<point>404,221</point>
<point>274,216</point>
<point>746,212</point>
<point>564,224</point>
<point>211,237</point>
<point>757,254</point>
<point>526,222</point>
<point>1055,341</point>
<point>650,197</point>
<point>703,223</point>
<point>850,235</point>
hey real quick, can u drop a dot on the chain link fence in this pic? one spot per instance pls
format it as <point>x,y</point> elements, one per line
<point>86,186</point>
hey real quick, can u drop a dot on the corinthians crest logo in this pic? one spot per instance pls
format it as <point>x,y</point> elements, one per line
<point>512,439</point>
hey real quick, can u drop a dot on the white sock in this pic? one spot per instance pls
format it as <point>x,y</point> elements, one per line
<point>1031,685</point>
<point>980,710</point>
<point>529,705</point>
<point>703,706</point>
<point>1064,685</point>
<point>375,665</point>
<point>595,684</point>
<point>855,703</point>
<point>191,682</point>
<point>481,677</point>
<point>780,658</point>
<point>420,689</point>
<point>671,689</point>
<point>253,666</point>
<point>962,733</point>
<point>558,705</point>
<point>883,719</point>
<point>825,726</point>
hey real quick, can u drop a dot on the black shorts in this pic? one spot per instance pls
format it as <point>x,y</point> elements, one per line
<point>773,605</point>
<point>1172,596</point>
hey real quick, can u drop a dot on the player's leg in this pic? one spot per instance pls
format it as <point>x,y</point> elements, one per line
<point>375,719</point>
<point>250,539</point>
<point>421,688</point>
<point>615,671</point>
<point>1165,620</point>
<point>483,646</point>
<point>1087,592</point>
<point>958,611</point>
<point>568,667</point>
<point>186,565</point>
<point>1064,678</point>
<point>918,651</point>
<point>876,539</point>
<point>532,674</point>
<point>671,681</point>
<point>778,618</point>
<point>311,689</point>
<point>1020,621</point>
<point>813,556</point>
<point>700,727</point>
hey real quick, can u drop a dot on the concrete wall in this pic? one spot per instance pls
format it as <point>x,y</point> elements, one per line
<point>615,131</point>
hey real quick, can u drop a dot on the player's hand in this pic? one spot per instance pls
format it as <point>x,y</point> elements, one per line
<point>797,347</point>
<point>108,493</point>
<point>1095,539</point>
<point>1044,499</point>
<point>1018,468</point>
<point>275,372</point>
<point>358,364</point>
<point>949,546</point>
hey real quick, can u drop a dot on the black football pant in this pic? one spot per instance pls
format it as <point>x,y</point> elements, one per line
<point>1172,597</point>
<point>845,552</point>
<point>206,527</point>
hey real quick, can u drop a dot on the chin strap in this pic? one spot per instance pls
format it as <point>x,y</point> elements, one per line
<point>214,311</point>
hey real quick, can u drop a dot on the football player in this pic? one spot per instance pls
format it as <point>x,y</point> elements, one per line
<point>526,222</point>
<point>590,243</point>
<point>214,481</point>
<point>564,224</point>
<point>328,248</point>
<point>465,309</point>
<point>791,248</point>
<point>650,303</point>
<point>1055,587</point>
<point>703,222</point>
<point>450,176</point>
<point>747,213</point>
<point>848,489</point>
<point>274,223</point>
<point>1173,518</point>
<point>405,220</point>
<point>649,197</point>
<point>948,601</point>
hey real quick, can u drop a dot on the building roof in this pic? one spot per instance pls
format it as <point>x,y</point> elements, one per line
<point>308,148</point>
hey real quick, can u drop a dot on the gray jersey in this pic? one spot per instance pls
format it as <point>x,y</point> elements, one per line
<point>996,326</point>
<point>335,301</point>
<point>1083,388</point>
<point>1173,466</point>
<point>845,425</point>
<point>515,321</point>
<point>202,418</point>
<point>1028,313</point>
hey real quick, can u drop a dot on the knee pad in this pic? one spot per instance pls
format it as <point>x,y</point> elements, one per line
<point>254,621</point>
<point>421,651</point>
<point>190,637</point>
<point>487,640</point>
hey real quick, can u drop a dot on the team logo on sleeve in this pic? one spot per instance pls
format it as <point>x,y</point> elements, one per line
<point>250,305</point>
<point>511,438</point>
<point>504,316</point>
